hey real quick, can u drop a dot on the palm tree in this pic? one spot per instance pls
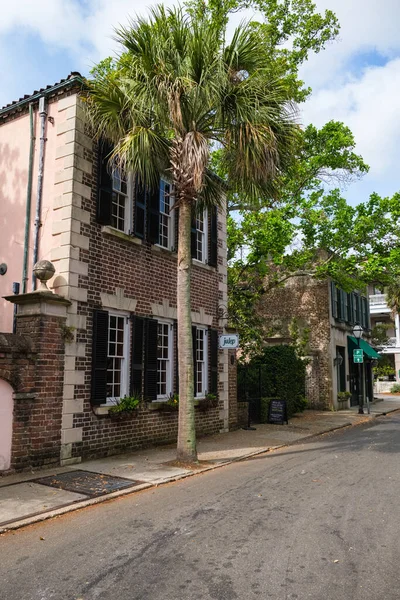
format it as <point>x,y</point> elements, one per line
<point>176,92</point>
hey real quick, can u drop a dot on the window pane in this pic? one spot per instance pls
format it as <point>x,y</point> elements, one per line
<point>164,360</point>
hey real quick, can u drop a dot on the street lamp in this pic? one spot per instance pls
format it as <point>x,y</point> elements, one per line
<point>357,332</point>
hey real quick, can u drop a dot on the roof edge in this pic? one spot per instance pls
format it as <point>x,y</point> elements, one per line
<point>73,79</point>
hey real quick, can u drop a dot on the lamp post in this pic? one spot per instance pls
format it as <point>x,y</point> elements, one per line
<point>357,332</point>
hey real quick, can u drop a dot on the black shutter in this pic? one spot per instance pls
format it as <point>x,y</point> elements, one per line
<point>153,216</point>
<point>176,388</point>
<point>139,222</point>
<point>364,312</point>
<point>350,315</point>
<point>334,301</point>
<point>213,238</point>
<point>150,364</point>
<point>194,350</point>
<point>213,387</point>
<point>193,241</point>
<point>104,184</point>
<point>137,356</point>
<point>342,305</point>
<point>99,357</point>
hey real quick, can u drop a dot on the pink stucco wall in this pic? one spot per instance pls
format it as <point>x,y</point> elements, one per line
<point>6,422</point>
<point>14,159</point>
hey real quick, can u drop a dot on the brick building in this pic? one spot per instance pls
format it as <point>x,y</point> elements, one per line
<point>113,246</point>
<point>329,315</point>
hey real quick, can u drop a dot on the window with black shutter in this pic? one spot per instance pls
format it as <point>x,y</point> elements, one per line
<point>213,380</point>
<point>137,355</point>
<point>139,222</point>
<point>213,238</point>
<point>104,195</point>
<point>334,300</point>
<point>350,314</point>
<point>150,364</point>
<point>153,220</point>
<point>99,357</point>
<point>194,350</point>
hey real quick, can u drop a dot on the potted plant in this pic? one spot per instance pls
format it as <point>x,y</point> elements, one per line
<point>343,398</point>
<point>170,405</point>
<point>124,407</point>
<point>210,401</point>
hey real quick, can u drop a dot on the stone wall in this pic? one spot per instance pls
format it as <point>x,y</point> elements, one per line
<point>306,300</point>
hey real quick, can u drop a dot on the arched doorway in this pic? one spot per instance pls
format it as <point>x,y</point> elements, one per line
<point>6,423</point>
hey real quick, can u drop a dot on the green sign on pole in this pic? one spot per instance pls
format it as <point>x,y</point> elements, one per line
<point>358,356</point>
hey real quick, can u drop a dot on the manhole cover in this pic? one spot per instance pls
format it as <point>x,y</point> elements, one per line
<point>88,483</point>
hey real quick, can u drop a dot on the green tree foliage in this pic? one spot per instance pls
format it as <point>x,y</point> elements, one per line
<point>308,228</point>
<point>275,372</point>
<point>289,30</point>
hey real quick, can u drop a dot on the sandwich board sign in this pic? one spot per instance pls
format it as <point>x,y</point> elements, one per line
<point>358,356</point>
<point>229,342</point>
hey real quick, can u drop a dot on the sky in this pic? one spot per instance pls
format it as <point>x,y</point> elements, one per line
<point>356,79</point>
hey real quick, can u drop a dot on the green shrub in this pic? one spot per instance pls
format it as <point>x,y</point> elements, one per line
<point>395,389</point>
<point>127,404</point>
<point>277,373</point>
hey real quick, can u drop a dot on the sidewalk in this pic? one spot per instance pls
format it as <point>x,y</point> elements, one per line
<point>26,498</point>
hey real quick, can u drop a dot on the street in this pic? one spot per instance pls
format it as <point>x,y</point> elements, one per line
<point>319,520</point>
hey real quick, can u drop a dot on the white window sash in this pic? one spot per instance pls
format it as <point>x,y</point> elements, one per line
<point>171,226</point>
<point>125,359</point>
<point>203,391</point>
<point>204,233</point>
<point>170,364</point>
<point>128,213</point>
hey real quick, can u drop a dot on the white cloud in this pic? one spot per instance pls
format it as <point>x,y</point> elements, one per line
<point>365,27</point>
<point>366,100</point>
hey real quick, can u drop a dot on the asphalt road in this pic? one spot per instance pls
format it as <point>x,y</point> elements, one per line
<point>320,521</point>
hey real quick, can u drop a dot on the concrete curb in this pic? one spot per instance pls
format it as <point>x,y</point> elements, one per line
<point>24,522</point>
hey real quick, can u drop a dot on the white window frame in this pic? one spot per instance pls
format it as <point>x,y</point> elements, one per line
<point>204,234</point>
<point>128,209</point>
<point>170,370</point>
<point>171,220</point>
<point>205,365</point>
<point>111,400</point>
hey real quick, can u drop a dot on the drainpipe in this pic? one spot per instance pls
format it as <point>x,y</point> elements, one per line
<point>38,222</point>
<point>28,201</point>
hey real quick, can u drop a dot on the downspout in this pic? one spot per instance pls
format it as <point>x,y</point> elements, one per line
<point>28,201</point>
<point>38,222</point>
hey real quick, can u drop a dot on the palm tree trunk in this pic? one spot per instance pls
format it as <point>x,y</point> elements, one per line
<point>186,449</point>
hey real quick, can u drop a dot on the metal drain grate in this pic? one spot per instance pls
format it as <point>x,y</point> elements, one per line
<point>88,483</point>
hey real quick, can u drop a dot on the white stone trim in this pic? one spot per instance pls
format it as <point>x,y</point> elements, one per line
<point>118,301</point>
<point>164,310</point>
<point>200,317</point>
<point>223,357</point>
<point>68,218</point>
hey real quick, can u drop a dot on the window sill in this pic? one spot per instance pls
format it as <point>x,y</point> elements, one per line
<point>157,248</point>
<point>111,231</point>
<point>198,263</point>
<point>159,405</point>
<point>101,411</point>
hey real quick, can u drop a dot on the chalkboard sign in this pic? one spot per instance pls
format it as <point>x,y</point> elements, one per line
<point>277,412</point>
